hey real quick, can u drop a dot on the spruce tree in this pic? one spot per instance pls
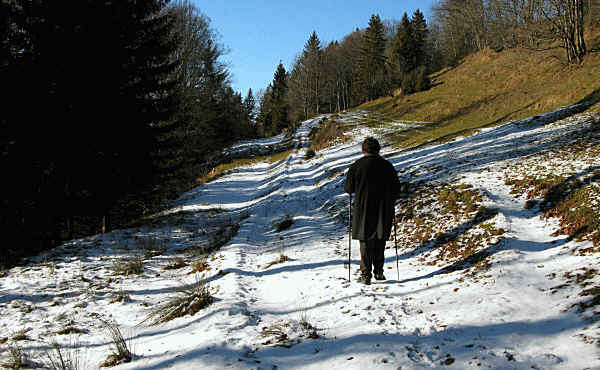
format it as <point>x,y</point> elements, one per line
<point>372,60</point>
<point>250,107</point>
<point>420,34</point>
<point>279,106</point>
<point>313,61</point>
<point>408,65</point>
<point>402,53</point>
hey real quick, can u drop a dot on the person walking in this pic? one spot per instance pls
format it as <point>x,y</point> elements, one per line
<point>375,183</point>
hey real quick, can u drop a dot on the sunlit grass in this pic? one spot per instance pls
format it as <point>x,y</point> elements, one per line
<point>488,89</point>
<point>236,163</point>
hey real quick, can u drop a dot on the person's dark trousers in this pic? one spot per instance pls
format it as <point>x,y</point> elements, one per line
<point>371,256</point>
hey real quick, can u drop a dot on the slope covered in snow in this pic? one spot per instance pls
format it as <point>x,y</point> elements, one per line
<point>481,278</point>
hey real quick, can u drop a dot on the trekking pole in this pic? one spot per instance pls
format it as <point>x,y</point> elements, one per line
<point>396,243</point>
<point>349,234</point>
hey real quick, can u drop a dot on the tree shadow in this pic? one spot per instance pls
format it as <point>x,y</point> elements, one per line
<point>490,146</point>
<point>590,99</point>
<point>407,349</point>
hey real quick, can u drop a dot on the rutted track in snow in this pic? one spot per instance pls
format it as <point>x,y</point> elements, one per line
<point>303,313</point>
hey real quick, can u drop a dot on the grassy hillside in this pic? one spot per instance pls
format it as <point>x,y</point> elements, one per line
<point>489,88</point>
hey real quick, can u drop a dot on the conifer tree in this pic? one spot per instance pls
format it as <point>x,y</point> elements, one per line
<point>312,56</point>
<point>306,79</point>
<point>402,53</point>
<point>250,107</point>
<point>85,121</point>
<point>408,64</point>
<point>420,34</point>
<point>372,60</point>
<point>279,106</point>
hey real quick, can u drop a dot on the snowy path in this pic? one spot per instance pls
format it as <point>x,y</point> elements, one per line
<point>303,313</point>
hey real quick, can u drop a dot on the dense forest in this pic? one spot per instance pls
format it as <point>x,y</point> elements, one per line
<point>109,108</point>
<point>396,56</point>
<point>112,108</point>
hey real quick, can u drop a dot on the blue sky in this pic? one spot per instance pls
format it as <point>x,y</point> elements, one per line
<point>260,33</point>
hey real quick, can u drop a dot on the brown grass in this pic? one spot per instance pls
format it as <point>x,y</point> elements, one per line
<point>489,88</point>
<point>328,133</point>
<point>222,169</point>
<point>448,227</point>
<point>570,199</point>
<point>282,258</point>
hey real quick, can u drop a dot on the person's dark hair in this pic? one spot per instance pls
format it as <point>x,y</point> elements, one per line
<point>370,145</point>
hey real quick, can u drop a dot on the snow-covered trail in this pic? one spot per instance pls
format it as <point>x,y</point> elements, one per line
<point>428,318</point>
<point>303,312</point>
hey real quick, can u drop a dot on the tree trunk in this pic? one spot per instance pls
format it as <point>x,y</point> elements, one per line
<point>70,227</point>
<point>106,223</point>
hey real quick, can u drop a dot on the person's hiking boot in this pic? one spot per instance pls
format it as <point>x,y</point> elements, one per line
<point>379,276</point>
<point>364,280</point>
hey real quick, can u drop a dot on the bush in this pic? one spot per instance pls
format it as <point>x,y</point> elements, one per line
<point>285,223</point>
<point>309,154</point>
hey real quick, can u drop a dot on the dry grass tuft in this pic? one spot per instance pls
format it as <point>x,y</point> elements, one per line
<point>174,264</point>
<point>119,296</point>
<point>15,358</point>
<point>288,333</point>
<point>131,266</point>
<point>151,247</point>
<point>20,335</point>
<point>71,330</point>
<point>120,347</point>
<point>61,358</point>
<point>281,259</point>
<point>187,301</point>
<point>200,265</point>
<point>310,153</point>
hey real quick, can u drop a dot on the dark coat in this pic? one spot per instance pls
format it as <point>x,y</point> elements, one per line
<point>375,182</point>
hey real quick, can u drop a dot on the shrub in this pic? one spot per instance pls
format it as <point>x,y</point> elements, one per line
<point>285,223</point>
<point>309,154</point>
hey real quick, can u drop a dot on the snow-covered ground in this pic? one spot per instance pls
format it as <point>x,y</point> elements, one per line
<point>513,308</point>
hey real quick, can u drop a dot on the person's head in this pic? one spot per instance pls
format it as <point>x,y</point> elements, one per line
<point>370,145</point>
